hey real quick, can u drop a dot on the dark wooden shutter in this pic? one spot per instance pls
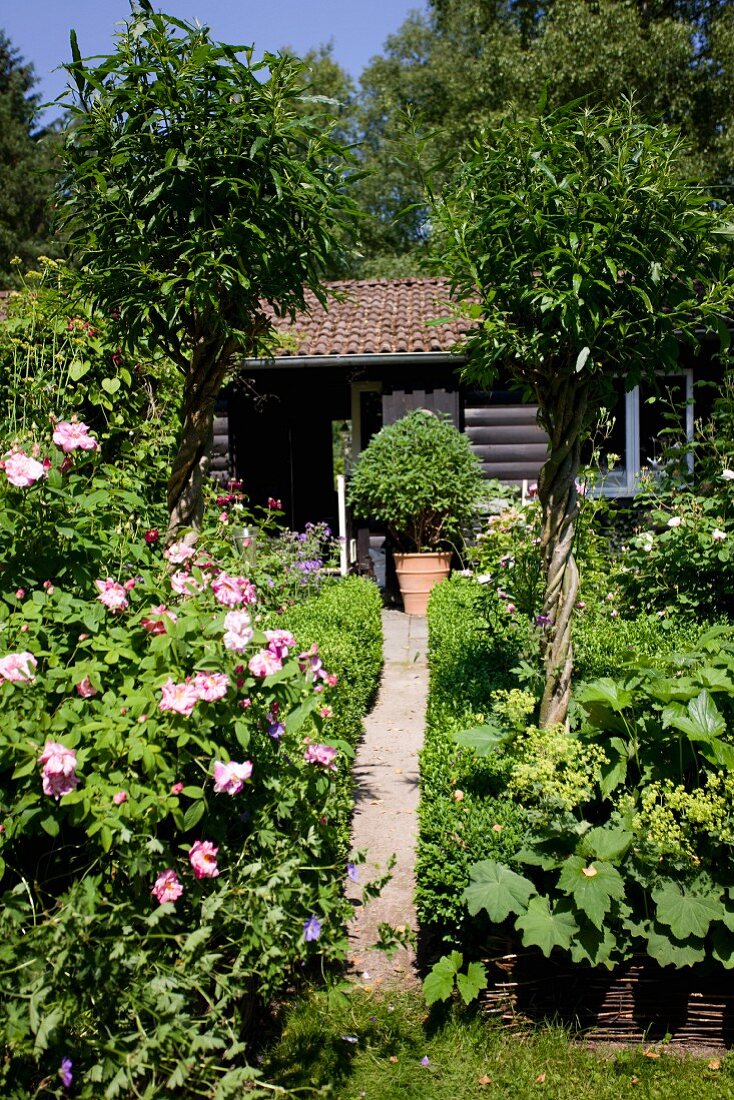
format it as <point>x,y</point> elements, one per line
<point>398,403</point>
<point>505,438</point>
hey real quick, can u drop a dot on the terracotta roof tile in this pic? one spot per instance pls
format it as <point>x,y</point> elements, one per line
<point>374,316</point>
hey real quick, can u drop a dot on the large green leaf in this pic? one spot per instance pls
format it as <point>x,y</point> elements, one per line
<point>723,946</point>
<point>594,946</point>
<point>686,914</point>
<point>543,928</point>
<point>606,691</point>
<point>473,982</point>
<point>701,720</point>
<point>438,984</point>
<point>669,951</point>
<point>606,842</point>
<point>497,889</point>
<point>592,886</point>
<point>483,739</point>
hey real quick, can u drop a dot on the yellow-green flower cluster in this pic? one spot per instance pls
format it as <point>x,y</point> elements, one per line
<point>553,766</point>
<point>513,708</point>
<point>672,818</point>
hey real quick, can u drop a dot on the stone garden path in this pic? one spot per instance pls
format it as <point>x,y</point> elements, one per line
<point>386,802</point>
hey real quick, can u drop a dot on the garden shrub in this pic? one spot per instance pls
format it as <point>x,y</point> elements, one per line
<point>172,797</point>
<point>473,646</point>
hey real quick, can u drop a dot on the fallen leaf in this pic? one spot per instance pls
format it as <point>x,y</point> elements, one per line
<point>651,1053</point>
<point>393,1058</point>
<point>540,1079</point>
<point>589,871</point>
<point>496,828</point>
<point>485,1080</point>
<point>634,1080</point>
<point>715,1063</point>
<point>458,796</point>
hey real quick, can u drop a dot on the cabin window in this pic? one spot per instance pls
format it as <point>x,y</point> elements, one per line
<point>632,439</point>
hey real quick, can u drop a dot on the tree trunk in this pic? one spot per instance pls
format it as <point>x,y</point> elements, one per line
<point>202,383</point>
<point>563,414</point>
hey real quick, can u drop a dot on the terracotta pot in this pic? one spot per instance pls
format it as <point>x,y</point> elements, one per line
<point>417,574</point>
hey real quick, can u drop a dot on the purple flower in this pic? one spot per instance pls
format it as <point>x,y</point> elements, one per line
<point>311,929</point>
<point>276,730</point>
<point>542,620</point>
<point>65,1072</point>
<point>353,872</point>
<point>425,1060</point>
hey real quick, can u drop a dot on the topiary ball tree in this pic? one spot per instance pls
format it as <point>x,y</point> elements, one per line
<point>420,477</point>
<point>586,256</point>
<point>199,188</point>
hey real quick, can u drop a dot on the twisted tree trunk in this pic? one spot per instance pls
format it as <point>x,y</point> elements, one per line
<point>202,383</point>
<point>563,414</point>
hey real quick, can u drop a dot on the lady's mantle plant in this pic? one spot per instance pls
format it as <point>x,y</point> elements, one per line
<point>421,479</point>
<point>170,845</point>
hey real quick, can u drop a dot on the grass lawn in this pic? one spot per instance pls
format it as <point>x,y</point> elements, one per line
<point>385,1046</point>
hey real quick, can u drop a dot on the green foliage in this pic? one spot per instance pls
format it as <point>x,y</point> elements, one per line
<point>59,359</point>
<point>420,478</point>
<point>624,844</point>
<point>446,975</point>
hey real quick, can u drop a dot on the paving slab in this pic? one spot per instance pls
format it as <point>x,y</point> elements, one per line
<point>385,821</point>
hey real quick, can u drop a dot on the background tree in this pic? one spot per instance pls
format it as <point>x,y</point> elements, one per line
<point>195,190</point>
<point>27,156</point>
<point>591,259</point>
<point>459,66</point>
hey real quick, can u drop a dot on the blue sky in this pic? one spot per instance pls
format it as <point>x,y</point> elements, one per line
<point>39,29</point>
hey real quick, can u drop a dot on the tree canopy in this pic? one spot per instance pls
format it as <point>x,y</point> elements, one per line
<point>459,67</point>
<point>198,186</point>
<point>26,158</point>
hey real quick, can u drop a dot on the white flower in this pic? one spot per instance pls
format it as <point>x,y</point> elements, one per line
<point>728,475</point>
<point>718,535</point>
<point>674,521</point>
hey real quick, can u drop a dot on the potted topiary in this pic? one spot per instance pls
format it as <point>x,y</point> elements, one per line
<point>420,479</point>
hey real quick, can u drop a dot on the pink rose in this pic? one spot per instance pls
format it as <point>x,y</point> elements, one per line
<point>203,859</point>
<point>280,642</point>
<point>71,436</point>
<point>22,470</point>
<point>157,625</point>
<point>178,553</point>
<point>264,663</point>
<point>233,591</point>
<point>18,668</point>
<point>324,755</point>
<point>179,698</point>
<point>211,686</point>
<point>119,798</point>
<point>112,595</point>
<point>177,788</point>
<point>85,688</point>
<point>58,772</point>
<point>238,631</point>
<point>230,778</point>
<point>167,887</point>
<point>183,584</point>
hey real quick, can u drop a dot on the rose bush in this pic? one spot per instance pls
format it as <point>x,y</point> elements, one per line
<point>172,798</point>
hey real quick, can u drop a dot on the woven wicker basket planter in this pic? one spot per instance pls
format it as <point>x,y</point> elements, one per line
<point>639,1001</point>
